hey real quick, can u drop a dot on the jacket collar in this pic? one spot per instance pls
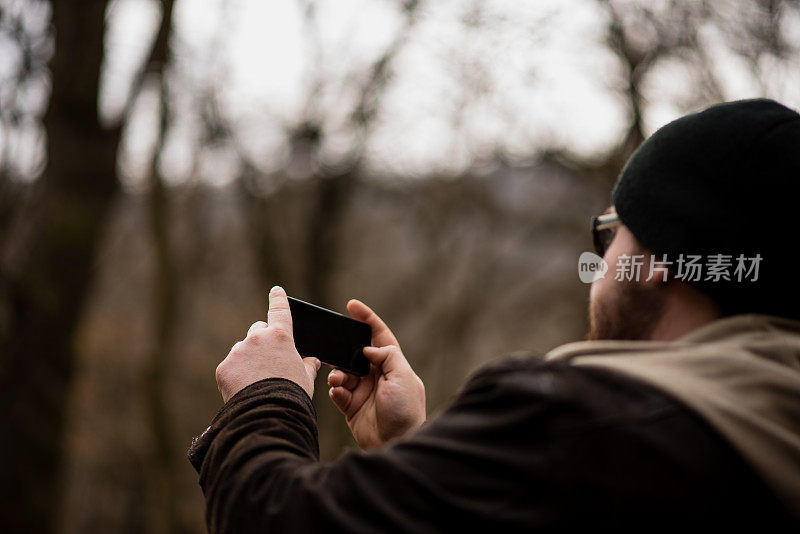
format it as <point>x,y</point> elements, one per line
<point>736,324</point>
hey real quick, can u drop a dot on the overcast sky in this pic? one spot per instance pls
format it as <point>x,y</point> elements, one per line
<point>532,73</point>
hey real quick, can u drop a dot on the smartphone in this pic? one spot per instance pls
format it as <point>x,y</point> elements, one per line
<point>331,337</point>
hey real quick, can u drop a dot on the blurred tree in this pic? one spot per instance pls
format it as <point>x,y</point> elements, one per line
<point>49,260</point>
<point>166,289</point>
<point>47,289</point>
<point>646,35</point>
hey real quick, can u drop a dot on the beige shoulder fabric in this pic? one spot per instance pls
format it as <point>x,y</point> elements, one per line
<point>740,373</point>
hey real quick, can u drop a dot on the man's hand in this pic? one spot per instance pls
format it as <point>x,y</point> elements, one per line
<point>268,351</point>
<point>387,403</point>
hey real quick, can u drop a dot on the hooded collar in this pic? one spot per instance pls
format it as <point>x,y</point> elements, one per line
<point>740,373</point>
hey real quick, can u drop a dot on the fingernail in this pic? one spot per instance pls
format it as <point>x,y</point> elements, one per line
<point>317,363</point>
<point>275,288</point>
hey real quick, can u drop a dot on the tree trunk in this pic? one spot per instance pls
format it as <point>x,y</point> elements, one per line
<point>165,297</point>
<point>47,295</point>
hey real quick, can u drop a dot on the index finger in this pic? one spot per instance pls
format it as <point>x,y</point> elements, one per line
<point>279,313</point>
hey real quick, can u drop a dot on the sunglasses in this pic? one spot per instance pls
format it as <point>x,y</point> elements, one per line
<point>603,230</point>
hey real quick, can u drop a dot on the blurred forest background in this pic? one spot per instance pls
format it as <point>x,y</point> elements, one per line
<point>163,163</point>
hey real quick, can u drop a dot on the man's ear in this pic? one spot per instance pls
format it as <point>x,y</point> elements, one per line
<point>661,273</point>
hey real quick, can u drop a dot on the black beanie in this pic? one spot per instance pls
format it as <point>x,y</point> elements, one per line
<point>724,181</point>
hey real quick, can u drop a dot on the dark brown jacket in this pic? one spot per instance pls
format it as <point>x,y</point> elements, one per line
<point>530,443</point>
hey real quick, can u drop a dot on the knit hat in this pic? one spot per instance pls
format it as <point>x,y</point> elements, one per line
<point>724,184</point>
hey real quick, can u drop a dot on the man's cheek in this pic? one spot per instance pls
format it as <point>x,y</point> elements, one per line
<point>604,292</point>
<point>599,287</point>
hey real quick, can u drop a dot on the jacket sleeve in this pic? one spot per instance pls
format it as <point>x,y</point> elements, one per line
<point>495,455</point>
<point>259,468</point>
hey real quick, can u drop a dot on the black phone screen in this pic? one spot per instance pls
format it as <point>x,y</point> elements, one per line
<point>334,338</point>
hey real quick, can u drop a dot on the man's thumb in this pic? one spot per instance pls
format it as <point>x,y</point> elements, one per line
<point>387,359</point>
<point>312,366</point>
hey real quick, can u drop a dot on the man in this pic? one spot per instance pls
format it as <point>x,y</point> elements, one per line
<point>682,408</point>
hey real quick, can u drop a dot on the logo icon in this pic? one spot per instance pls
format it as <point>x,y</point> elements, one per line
<point>591,267</point>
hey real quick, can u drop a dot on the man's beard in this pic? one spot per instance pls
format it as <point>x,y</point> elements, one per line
<point>632,313</point>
